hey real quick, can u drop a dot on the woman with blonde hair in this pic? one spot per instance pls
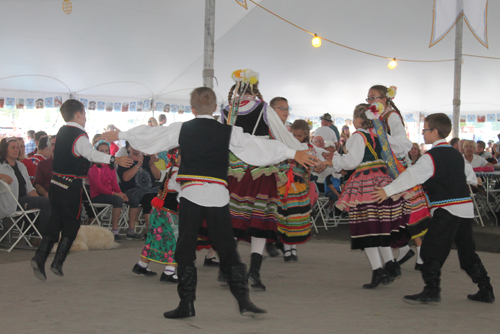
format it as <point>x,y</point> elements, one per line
<point>415,153</point>
<point>152,121</point>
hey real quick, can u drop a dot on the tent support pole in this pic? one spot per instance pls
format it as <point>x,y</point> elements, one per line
<point>208,54</point>
<point>458,76</point>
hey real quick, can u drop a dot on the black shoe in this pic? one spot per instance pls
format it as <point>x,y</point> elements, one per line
<point>418,266</point>
<point>168,278</point>
<point>118,238</point>
<point>238,285</point>
<point>61,253</point>
<point>483,295</point>
<point>407,256</point>
<point>271,250</point>
<point>254,272</point>
<point>143,271</point>
<point>211,262</point>
<point>288,256</point>
<point>394,270</point>
<point>429,296</point>
<point>184,310</point>
<point>379,275</point>
<point>38,261</point>
<point>134,236</point>
<point>295,258</point>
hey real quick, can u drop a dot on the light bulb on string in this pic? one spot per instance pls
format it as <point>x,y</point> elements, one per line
<point>392,64</point>
<point>316,41</point>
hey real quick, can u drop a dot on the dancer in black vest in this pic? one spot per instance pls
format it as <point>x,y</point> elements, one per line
<point>70,165</point>
<point>441,173</point>
<point>205,145</point>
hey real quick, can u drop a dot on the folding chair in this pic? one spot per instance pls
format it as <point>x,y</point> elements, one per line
<point>101,211</point>
<point>21,216</point>
<point>320,208</point>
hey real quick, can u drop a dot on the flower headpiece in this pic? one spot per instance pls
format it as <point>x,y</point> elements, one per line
<point>374,111</point>
<point>100,142</point>
<point>391,92</point>
<point>245,76</point>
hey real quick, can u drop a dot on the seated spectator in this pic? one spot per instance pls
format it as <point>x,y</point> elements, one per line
<point>423,148</point>
<point>454,142</point>
<point>38,136</point>
<point>332,191</point>
<point>152,121</point>
<point>44,151</point>
<point>15,174</point>
<point>480,150</point>
<point>162,119</point>
<point>490,146</point>
<point>325,167</point>
<point>31,168</point>
<point>471,158</point>
<point>96,138</point>
<point>104,189</point>
<point>414,154</point>
<point>30,144</point>
<point>43,173</point>
<point>137,182</point>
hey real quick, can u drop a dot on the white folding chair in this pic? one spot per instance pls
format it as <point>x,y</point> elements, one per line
<point>320,209</point>
<point>102,212</point>
<point>19,219</point>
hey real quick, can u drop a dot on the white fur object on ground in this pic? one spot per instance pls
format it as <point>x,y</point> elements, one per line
<point>92,237</point>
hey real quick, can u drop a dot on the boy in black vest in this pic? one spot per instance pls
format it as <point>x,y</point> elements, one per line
<point>444,176</point>
<point>70,165</point>
<point>205,145</point>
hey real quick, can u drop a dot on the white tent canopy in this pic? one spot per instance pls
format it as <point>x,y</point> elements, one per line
<point>149,48</point>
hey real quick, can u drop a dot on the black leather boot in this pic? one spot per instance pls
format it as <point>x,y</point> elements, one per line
<point>186,289</point>
<point>238,285</point>
<point>61,253</point>
<point>480,276</point>
<point>38,261</point>
<point>379,275</point>
<point>431,273</point>
<point>394,270</point>
<point>254,272</point>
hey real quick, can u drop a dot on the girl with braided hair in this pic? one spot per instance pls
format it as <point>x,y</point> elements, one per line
<point>254,198</point>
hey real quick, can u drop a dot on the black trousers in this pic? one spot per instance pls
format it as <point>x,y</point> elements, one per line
<point>220,232</point>
<point>65,207</point>
<point>444,230</point>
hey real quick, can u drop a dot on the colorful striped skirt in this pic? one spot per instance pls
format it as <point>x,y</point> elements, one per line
<point>162,236</point>
<point>372,224</point>
<point>294,214</point>
<point>254,200</point>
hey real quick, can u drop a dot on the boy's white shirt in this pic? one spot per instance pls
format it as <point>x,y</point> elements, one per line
<point>252,150</point>
<point>84,148</point>
<point>423,170</point>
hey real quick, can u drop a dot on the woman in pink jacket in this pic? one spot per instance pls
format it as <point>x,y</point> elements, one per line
<point>104,187</point>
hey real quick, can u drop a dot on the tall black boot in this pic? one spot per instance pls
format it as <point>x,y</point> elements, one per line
<point>186,289</point>
<point>394,270</point>
<point>480,276</point>
<point>254,272</point>
<point>38,261</point>
<point>431,273</point>
<point>61,253</point>
<point>238,284</point>
<point>379,275</point>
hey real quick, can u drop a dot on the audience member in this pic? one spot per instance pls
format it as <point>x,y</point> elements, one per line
<point>30,145</point>
<point>480,150</point>
<point>162,119</point>
<point>137,182</point>
<point>327,130</point>
<point>455,142</point>
<point>44,151</point>
<point>113,148</point>
<point>38,136</point>
<point>152,121</point>
<point>27,162</point>
<point>15,174</point>
<point>415,153</point>
<point>43,174</point>
<point>474,160</point>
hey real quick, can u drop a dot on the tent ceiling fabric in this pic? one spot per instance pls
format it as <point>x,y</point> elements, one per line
<point>159,44</point>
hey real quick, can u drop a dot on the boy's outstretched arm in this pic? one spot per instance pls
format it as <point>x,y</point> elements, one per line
<point>124,161</point>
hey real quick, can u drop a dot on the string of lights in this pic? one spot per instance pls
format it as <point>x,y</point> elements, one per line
<point>316,42</point>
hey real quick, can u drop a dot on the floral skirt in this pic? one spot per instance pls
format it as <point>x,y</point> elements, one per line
<point>162,237</point>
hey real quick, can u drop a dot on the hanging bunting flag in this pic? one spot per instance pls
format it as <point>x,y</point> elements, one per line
<point>57,101</point>
<point>49,102</point>
<point>30,103</point>
<point>132,105</point>
<point>490,118</point>
<point>92,105</point>
<point>447,12</point>
<point>242,3</point>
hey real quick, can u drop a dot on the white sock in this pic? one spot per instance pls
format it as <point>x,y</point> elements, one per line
<point>373,257</point>
<point>419,259</point>
<point>258,245</point>
<point>170,270</point>
<point>294,249</point>
<point>287,248</point>
<point>386,253</point>
<point>143,264</point>
<point>402,252</point>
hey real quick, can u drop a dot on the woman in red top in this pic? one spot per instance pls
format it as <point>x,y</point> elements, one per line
<point>104,187</point>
